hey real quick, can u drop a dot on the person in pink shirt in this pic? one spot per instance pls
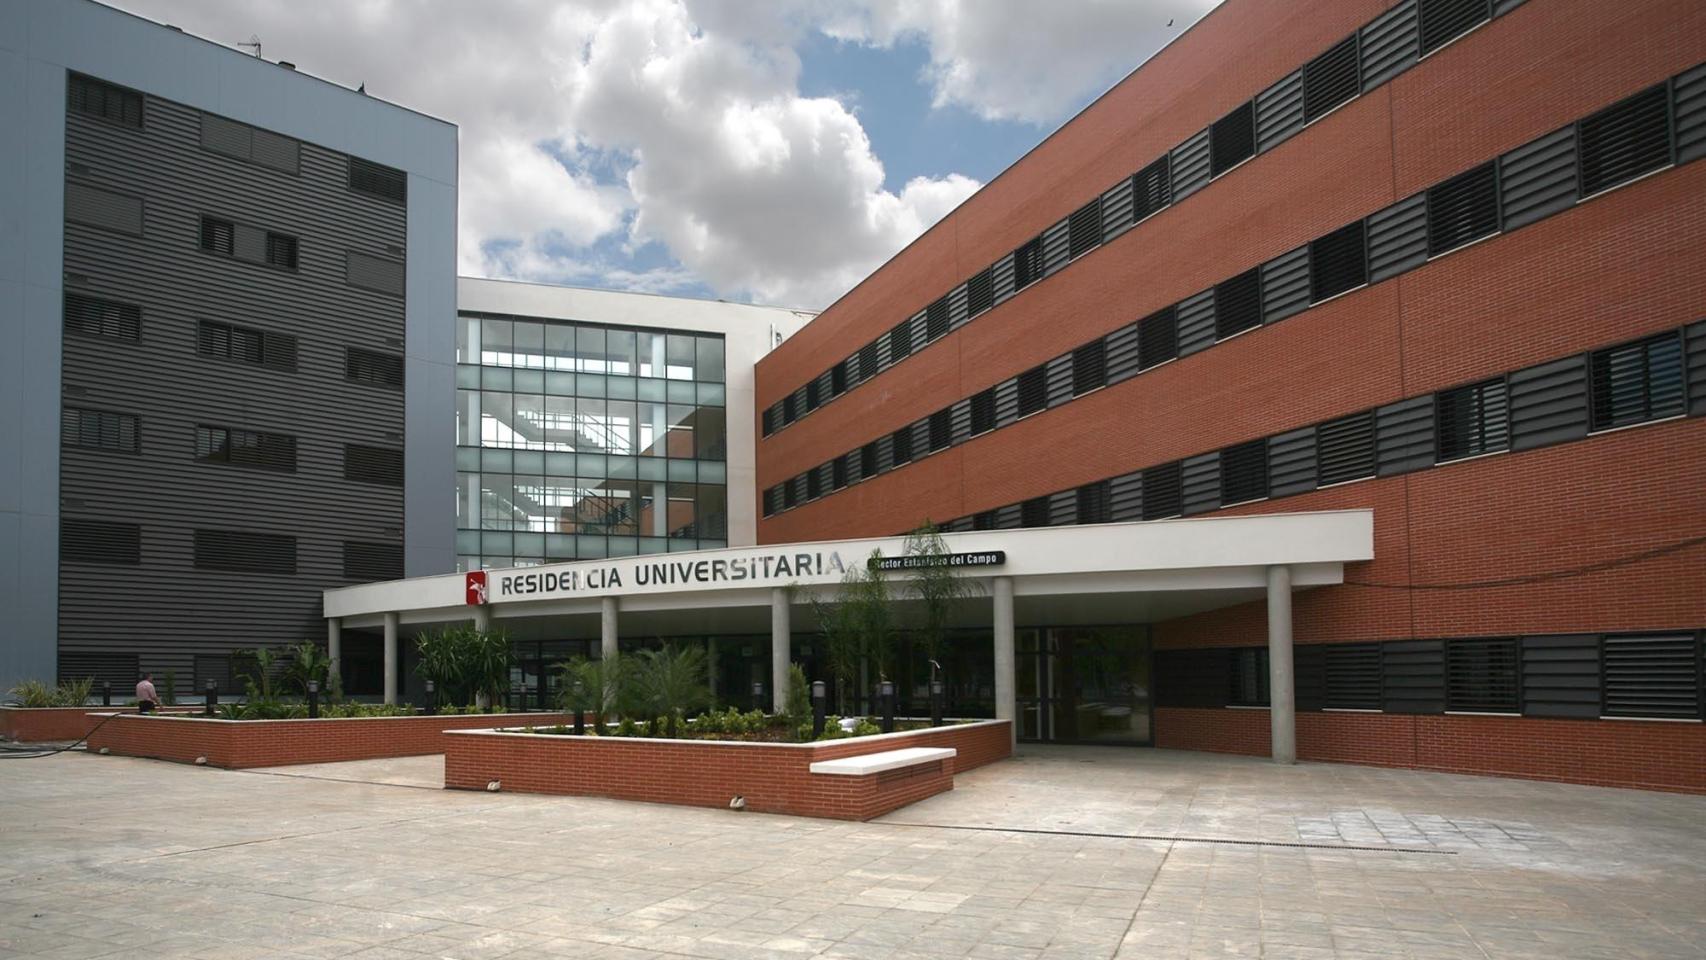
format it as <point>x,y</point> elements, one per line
<point>146,698</point>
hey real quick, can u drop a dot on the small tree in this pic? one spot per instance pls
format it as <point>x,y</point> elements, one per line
<point>258,681</point>
<point>857,626</point>
<point>591,686</point>
<point>467,664</point>
<point>838,622</point>
<point>671,681</point>
<point>798,708</point>
<point>939,588</point>
<point>875,615</point>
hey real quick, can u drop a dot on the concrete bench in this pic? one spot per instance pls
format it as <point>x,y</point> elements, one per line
<point>871,763</point>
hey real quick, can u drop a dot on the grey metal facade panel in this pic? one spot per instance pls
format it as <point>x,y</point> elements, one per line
<point>1063,508</point>
<point>1404,436</point>
<point>1006,402</point>
<point>108,209</point>
<point>1501,7</point>
<point>1548,403</point>
<point>380,274</point>
<point>1279,112</point>
<point>1008,517</point>
<point>1190,165</point>
<point>278,152</point>
<point>1285,285</point>
<point>1291,462</point>
<point>1538,178</point>
<point>921,438</point>
<point>1058,377</point>
<point>1125,497</point>
<point>918,331</point>
<point>1117,210</point>
<point>1057,247</point>
<point>1122,354</point>
<point>166,611</point>
<point>1390,44</point>
<point>1398,238</point>
<point>1001,276</point>
<point>1695,348</point>
<point>226,136</point>
<point>959,420</point>
<point>1199,478</point>
<point>1196,323</point>
<point>1689,109</point>
<point>958,308</point>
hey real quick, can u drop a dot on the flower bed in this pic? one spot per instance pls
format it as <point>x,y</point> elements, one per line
<point>49,724</point>
<point>238,744</point>
<point>771,777</point>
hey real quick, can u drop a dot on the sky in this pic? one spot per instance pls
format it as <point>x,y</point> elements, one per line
<point>765,151</point>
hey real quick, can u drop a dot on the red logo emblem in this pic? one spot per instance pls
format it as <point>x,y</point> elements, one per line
<point>476,587</point>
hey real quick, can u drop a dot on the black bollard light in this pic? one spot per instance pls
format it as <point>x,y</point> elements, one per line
<point>431,699</point>
<point>212,696</point>
<point>758,695</point>
<point>580,715</point>
<point>820,705</point>
<point>313,699</point>
<point>106,693</point>
<point>885,693</point>
<point>938,692</point>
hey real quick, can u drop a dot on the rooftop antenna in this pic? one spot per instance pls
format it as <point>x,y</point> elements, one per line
<point>254,41</point>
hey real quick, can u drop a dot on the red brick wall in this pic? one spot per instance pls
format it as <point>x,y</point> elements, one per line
<point>238,744</point>
<point>1651,755</point>
<point>46,724</point>
<point>774,778</point>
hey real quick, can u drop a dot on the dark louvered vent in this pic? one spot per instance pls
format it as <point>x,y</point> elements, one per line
<point>1162,491</point>
<point>1089,367</point>
<point>868,461</point>
<point>105,101</point>
<point>1150,189</point>
<point>248,448</point>
<point>1696,363</point>
<point>281,251</point>
<point>1330,79</point>
<point>901,444</point>
<point>1337,262</point>
<point>368,366</point>
<point>1344,448</point>
<point>230,342</point>
<point>218,236</point>
<point>980,292</point>
<point>373,561</point>
<point>772,501</point>
<point>1412,678</point>
<point>941,429</point>
<point>814,485</point>
<point>1248,677</point>
<point>1445,20</point>
<point>983,411</point>
<point>1028,264</point>
<point>1481,675</point>
<point>1157,338</point>
<point>1238,303</point>
<point>240,551</point>
<point>769,420</point>
<point>119,669</point>
<point>1232,139</point>
<point>790,409</point>
<point>1637,382</point>
<point>1538,178</point>
<point>375,180</point>
<point>867,361</point>
<point>814,394</point>
<point>790,495</point>
<point>1034,512</point>
<point>99,430</point>
<point>1310,663</point>
<point>1244,472</point>
<point>1463,209</point>
<point>1471,420</point>
<point>1653,676</point>
<point>1548,403</point>
<point>936,320</point>
<point>1033,391</point>
<point>1085,229</point>
<point>900,341</point>
<point>95,317</point>
<point>1404,436</point>
<point>365,464</point>
<point>1094,503</point>
<point>1353,676</point>
<point>1192,678</point>
<point>1626,140</point>
<point>99,541</point>
<point>838,472</point>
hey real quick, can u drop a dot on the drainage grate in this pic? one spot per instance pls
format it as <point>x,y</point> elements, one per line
<point>1166,839</point>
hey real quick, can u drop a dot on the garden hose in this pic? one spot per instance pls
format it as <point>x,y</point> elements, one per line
<point>30,753</point>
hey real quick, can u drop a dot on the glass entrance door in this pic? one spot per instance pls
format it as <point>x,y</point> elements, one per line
<point>1083,685</point>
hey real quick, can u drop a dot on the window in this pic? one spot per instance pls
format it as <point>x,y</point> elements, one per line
<point>941,429</point>
<point>983,412</point>
<point>1471,421</point>
<point>1232,139</point>
<point>94,317</point>
<point>902,446</point>
<point>1652,676</point>
<point>230,342</point>
<point>1463,209</point>
<point>1244,472</point>
<point>790,409</point>
<point>1624,141</point>
<point>1084,229</point>
<point>245,552</point>
<point>1353,676</point>
<point>900,341</point>
<point>1337,262</point>
<point>1033,391</point>
<point>268,451</point>
<point>281,251</point>
<point>99,430</point>
<point>980,292</point>
<point>1238,304</point>
<point>99,541</point>
<point>1150,189</point>
<point>1161,491</point>
<point>1249,687</point>
<point>367,366</point>
<point>370,178</point>
<point>838,379</point>
<point>868,361</point>
<point>1445,20</point>
<point>1095,503</point>
<point>936,320</point>
<point>770,505</point>
<point>790,495</point>
<point>814,395</point>
<point>1089,367</point>
<point>868,461</point>
<point>1034,512</point>
<point>814,485</point>
<point>1157,338</point>
<point>1481,675</point>
<point>1344,449</point>
<point>1637,382</point>
<point>217,235</point>
<point>769,420</point>
<point>1028,264</point>
<point>838,472</point>
<point>381,465</point>
<point>373,561</point>
<point>105,101</point>
<point>1330,79</point>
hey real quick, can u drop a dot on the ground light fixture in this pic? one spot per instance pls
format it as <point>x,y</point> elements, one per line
<point>938,690</point>
<point>579,691</point>
<point>212,696</point>
<point>313,699</point>
<point>820,703</point>
<point>106,693</point>
<point>758,694</point>
<point>885,693</point>
<point>431,698</point>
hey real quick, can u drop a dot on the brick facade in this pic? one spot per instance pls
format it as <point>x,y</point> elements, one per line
<point>49,724</point>
<point>240,744</point>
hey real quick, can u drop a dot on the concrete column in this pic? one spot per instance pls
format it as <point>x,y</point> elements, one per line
<point>482,617</point>
<point>1006,708</point>
<point>781,654</point>
<point>1282,691</point>
<point>391,621</point>
<point>607,627</point>
<point>334,651</point>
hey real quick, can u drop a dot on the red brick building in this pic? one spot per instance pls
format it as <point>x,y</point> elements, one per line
<point>1442,259</point>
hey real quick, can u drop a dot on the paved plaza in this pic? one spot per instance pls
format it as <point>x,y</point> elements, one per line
<point>1059,853</point>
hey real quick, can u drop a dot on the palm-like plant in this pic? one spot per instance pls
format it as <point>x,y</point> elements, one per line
<point>306,662</point>
<point>670,682</point>
<point>591,686</point>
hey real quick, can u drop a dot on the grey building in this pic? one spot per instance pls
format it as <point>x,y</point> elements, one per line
<point>229,299</point>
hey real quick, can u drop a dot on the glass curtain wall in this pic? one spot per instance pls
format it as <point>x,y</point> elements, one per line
<point>580,441</point>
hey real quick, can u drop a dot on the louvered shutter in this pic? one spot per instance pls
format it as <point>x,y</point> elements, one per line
<point>1151,189</point>
<point>1002,281</point>
<point>1353,676</point>
<point>1404,436</point>
<point>1033,391</point>
<point>1199,479</point>
<point>1291,462</point>
<point>1232,139</point>
<point>959,417</point>
<point>1413,676</point>
<point>1463,209</point>
<point>1279,112</point>
<point>1161,491</point>
<point>1190,166</point>
<point>1006,402</point>
<point>1560,677</point>
<point>1548,404</point>
<point>934,321</point>
<point>1389,45</point>
<point>1125,498</point>
<point>1653,676</point>
<point>1084,229</point>
<point>1117,210</point>
<point>1057,247</point>
<point>1538,178</point>
<point>1238,304</point>
<point>1059,378</point>
<point>959,306</point>
<point>980,292</point>
<point>1337,262</point>
<point>101,542</point>
<point>1093,503</point>
<point>1330,79</point>
<point>1637,382</point>
<point>1196,323</point>
<point>1398,238</point>
<point>1696,364</point>
<point>1344,449</point>
<point>1122,354</point>
<point>1285,285</point>
<point>1688,108</point>
<point>1244,472</point>
<point>1443,21</point>
<point>1089,367</point>
<point>1063,508</point>
<point>1482,675</point>
<point>1625,140</point>
<point>1157,338</point>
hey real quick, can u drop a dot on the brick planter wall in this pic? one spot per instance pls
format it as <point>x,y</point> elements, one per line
<point>1648,755</point>
<point>773,777</point>
<point>237,744</point>
<point>46,724</point>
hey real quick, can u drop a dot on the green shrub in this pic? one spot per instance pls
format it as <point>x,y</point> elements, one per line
<point>799,705</point>
<point>627,728</point>
<point>69,693</point>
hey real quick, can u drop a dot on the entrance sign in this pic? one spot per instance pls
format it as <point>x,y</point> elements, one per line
<point>645,574</point>
<point>985,558</point>
<point>475,588</point>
